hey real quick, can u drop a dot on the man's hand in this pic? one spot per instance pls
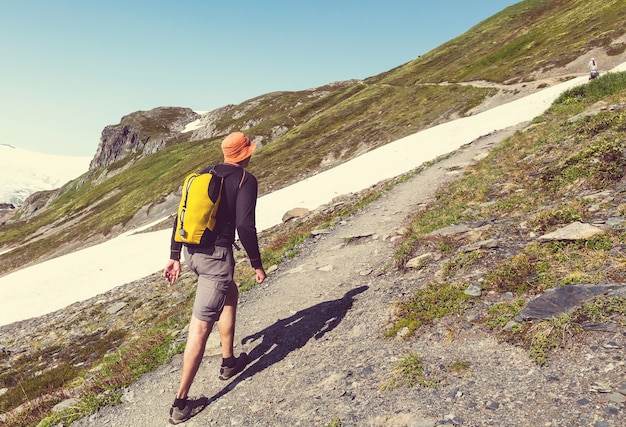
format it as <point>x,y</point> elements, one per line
<point>172,271</point>
<point>260,275</point>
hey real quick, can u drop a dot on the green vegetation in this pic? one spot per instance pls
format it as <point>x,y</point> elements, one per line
<point>459,367</point>
<point>108,363</point>
<point>434,302</point>
<point>548,334</point>
<point>33,374</point>
<point>559,332</point>
<point>533,183</point>
<point>410,372</point>
<point>503,312</point>
<point>529,36</point>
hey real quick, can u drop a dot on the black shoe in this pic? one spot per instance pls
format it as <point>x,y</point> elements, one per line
<point>192,408</point>
<point>240,364</point>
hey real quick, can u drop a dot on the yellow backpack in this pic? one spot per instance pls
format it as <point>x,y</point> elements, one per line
<point>198,206</point>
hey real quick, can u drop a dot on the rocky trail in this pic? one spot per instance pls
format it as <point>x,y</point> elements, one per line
<point>315,335</point>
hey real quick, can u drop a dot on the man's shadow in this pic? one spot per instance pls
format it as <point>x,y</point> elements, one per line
<point>292,333</point>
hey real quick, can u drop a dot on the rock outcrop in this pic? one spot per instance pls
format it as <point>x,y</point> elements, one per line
<point>142,132</point>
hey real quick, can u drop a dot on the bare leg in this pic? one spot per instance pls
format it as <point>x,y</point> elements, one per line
<point>226,323</point>
<point>199,331</point>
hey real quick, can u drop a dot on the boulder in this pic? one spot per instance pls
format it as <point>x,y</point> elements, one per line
<point>295,213</point>
<point>574,231</point>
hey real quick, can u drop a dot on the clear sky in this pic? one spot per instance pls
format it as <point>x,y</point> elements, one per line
<point>68,68</point>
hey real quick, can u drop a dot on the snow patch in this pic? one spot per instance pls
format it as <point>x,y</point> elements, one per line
<point>54,284</point>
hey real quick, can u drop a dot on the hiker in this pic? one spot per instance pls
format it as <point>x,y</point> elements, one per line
<point>593,69</point>
<point>213,263</point>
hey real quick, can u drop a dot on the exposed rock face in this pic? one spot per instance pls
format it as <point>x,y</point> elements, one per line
<point>37,201</point>
<point>207,127</point>
<point>211,124</point>
<point>143,132</point>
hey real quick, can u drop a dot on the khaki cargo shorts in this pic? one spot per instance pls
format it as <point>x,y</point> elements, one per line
<point>215,268</point>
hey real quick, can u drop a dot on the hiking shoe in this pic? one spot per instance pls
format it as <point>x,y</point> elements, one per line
<point>192,408</point>
<point>226,372</point>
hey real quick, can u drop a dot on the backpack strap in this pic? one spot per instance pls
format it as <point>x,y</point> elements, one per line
<point>243,175</point>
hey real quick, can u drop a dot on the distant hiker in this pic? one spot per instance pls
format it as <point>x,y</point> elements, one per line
<point>213,263</point>
<point>593,69</point>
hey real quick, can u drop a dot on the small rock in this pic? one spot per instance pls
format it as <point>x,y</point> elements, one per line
<point>128,397</point>
<point>599,327</point>
<point>357,237</point>
<point>420,261</point>
<point>611,345</point>
<point>66,404</point>
<point>483,244</point>
<point>600,388</point>
<point>451,230</point>
<point>320,232</point>
<point>403,332</point>
<point>116,307</point>
<point>298,269</point>
<point>510,325</point>
<point>453,392</point>
<point>574,231</point>
<point>563,299</point>
<point>474,290</point>
<point>295,213</point>
<point>492,405</point>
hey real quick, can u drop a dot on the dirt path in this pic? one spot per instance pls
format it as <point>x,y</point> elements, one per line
<point>313,331</point>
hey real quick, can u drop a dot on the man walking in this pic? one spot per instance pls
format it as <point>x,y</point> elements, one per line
<point>213,263</point>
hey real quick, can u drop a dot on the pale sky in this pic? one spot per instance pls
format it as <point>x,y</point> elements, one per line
<point>68,68</point>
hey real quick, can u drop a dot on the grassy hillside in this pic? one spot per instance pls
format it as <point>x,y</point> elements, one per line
<point>569,166</point>
<point>525,39</point>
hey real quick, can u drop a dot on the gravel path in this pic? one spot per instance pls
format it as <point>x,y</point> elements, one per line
<point>314,331</point>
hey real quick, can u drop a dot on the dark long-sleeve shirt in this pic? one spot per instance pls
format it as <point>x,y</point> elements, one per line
<point>236,211</point>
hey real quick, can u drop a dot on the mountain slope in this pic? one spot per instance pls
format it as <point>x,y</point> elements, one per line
<point>109,264</point>
<point>523,43</point>
<point>321,127</point>
<point>318,330</point>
